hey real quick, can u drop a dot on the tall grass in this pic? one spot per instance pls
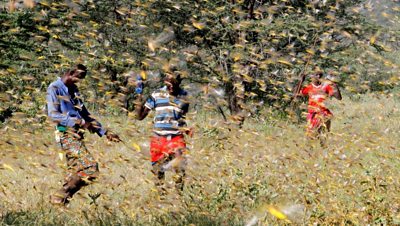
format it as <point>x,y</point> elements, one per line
<point>231,172</point>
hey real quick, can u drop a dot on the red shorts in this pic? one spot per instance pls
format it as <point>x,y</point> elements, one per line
<point>315,119</point>
<point>161,146</point>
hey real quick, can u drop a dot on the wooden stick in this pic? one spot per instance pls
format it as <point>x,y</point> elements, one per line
<point>303,76</point>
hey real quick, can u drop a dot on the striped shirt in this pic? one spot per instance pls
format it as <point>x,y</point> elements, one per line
<point>170,111</point>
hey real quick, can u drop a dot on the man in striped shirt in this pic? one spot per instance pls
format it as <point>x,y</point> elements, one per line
<point>167,145</point>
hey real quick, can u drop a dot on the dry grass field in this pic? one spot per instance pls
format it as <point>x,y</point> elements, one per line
<point>235,176</point>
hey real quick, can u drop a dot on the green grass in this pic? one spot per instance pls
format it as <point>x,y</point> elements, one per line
<point>232,173</point>
<point>52,217</point>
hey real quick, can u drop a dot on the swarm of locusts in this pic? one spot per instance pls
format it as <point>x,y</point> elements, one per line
<point>203,113</point>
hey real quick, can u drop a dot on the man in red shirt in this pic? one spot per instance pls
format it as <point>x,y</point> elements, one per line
<point>319,116</point>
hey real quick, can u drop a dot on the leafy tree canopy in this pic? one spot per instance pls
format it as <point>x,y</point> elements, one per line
<point>237,55</point>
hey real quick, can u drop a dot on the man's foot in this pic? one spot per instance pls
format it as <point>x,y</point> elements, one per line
<point>162,192</point>
<point>58,200</point>
<point>179,188</point>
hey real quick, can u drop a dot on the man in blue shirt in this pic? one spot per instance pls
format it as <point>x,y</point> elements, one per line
<point>167,145</point>
<point>66,109</point>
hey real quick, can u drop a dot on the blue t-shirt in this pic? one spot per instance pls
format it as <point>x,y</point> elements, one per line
<point>65,106</point>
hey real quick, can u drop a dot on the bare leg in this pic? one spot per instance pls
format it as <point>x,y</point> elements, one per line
<point>159,176</point>
<point>81,164</point>
<point>179,180</point>
<point>73,183</point>
<point>328,125</point>
<point>323,132</point>
<point>179,167</point>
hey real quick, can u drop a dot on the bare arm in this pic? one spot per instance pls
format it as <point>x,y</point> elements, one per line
<point>141,110</point>
<point>336,92</point>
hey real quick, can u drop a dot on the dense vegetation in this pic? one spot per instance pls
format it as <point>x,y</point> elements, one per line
<point>236,55</point>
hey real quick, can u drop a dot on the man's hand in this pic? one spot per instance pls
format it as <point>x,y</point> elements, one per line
<point>139,85</point>
<point>92,126</point>
<point>80,122</point>
<point>112,136</point>
<point>189,132</point>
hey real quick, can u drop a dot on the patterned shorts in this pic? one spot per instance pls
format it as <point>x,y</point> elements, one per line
<point>317,120</point>
<point>79,159</point>
<point>163,146</point>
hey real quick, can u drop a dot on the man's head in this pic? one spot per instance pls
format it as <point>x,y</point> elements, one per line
<point>75,74</point>
<point>316,77</point>
<point>172,81</point>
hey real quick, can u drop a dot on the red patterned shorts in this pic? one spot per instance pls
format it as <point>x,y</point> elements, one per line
<point>162,146</point>
<point>317,119</point>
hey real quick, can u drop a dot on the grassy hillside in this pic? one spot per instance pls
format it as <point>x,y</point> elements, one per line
<point>232,173</point>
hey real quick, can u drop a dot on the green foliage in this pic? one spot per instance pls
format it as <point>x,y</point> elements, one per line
<point>253,51</point>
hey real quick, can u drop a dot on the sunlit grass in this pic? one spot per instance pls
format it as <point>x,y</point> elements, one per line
<point>232,173</point>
